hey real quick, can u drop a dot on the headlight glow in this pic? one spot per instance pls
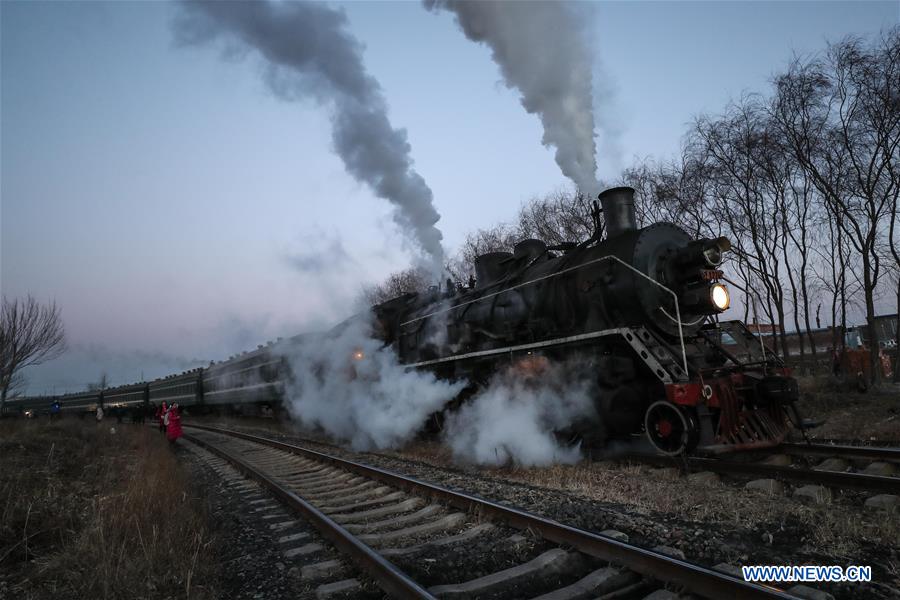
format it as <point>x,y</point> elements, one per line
<point>719,296</point>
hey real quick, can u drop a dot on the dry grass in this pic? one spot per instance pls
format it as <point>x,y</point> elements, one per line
<point>849,414</point>
<point>85,513</point>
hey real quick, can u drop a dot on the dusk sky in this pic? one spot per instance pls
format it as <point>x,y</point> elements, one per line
<point>176,209</point>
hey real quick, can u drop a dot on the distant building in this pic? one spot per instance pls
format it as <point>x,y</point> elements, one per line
<point>886,327</point>
<point>761,328</point>
<point>823,338</point>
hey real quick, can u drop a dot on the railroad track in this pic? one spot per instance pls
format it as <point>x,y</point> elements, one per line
<point>846,451</point>
<point>865,468</point>
<point>397,530</point>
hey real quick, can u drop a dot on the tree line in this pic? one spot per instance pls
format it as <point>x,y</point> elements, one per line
<point>802,178</point>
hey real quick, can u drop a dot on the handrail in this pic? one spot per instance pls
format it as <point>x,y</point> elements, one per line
<point>557,273</point>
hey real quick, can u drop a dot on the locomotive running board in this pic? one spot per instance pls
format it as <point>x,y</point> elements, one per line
<point>627,333</point>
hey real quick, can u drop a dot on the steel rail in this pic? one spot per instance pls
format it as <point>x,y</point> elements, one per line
<point>853,452</point>
<point>701,580</point>
<point>837,479</point>
<point>391,579</point>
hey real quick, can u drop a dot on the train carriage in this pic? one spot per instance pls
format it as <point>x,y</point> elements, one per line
<point>185,388</point>
<point>80,403</point>
<point>30,407</point>
<point>249,383</point>
<point>132,400</point>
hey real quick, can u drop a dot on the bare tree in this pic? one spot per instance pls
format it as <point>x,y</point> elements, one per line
<point>499,238</point>
<point>30,334</point>
<point>894,245</point>
<point>732,152</point>
<point>412,280</point>
<point>676,193</point>
<point>556,218</point>
<point>890,68</point>
<point>840,116</point>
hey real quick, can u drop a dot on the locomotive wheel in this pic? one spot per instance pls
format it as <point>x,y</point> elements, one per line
<point>670,429</point>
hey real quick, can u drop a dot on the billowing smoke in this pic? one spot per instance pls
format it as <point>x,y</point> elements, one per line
<point>349,385</point>
<point>516,419</point>
<point>541,50</point>
<point>308,53</point>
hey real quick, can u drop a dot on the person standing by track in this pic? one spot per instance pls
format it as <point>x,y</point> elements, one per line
<point>173,427</point>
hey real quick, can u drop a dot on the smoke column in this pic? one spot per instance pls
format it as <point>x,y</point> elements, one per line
<point>541,50</point>
<point>308,53</point>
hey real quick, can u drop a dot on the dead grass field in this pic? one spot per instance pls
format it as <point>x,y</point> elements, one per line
<point>849,414</point>
<point>85,513</point>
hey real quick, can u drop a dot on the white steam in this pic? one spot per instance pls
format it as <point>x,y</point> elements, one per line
<point>352,387</point>
<point>515,419</point>
<point>541,49</point>
<point>308,53</point>
<point>349,385</point>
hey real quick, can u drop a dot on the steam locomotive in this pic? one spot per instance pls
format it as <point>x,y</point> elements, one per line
<point>640,308</point>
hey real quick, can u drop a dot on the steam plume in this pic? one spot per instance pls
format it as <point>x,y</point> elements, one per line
<point>308,53</point>
<point>541,51</point>
<point>515,418</point>
<point>353,387</point>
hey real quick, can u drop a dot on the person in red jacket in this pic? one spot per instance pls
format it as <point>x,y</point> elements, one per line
<point>173,429</point>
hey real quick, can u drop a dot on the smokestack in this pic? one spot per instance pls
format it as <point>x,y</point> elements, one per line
<point>618,210</point>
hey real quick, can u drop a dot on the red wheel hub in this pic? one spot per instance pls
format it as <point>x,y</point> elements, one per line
<point>664,428</point>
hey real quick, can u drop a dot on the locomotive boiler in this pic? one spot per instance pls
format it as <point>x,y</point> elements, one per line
<point>640,308</point>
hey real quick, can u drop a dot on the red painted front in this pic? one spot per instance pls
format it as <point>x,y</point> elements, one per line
<point>728,397</point>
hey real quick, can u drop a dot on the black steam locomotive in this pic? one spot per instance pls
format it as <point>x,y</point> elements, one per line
<point>640,307</point>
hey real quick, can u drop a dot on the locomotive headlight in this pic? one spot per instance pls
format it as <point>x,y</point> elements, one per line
<point>704,298</point>
<point>358,355</point>
<point>718,293</point>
